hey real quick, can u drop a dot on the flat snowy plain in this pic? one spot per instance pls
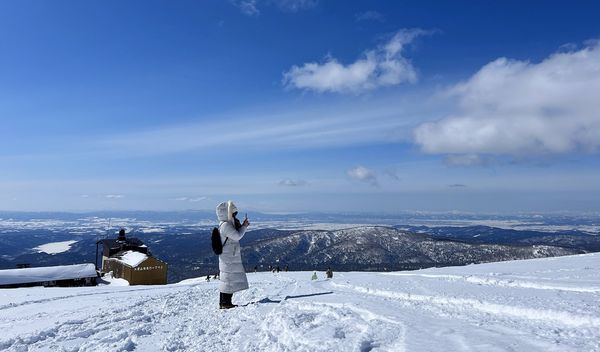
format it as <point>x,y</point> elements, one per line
<point>550,304</point>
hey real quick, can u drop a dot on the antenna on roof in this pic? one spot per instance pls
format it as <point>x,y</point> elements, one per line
<point>100,241</point>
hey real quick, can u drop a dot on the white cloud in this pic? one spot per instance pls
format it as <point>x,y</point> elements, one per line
<point>251,7</point>
<point>369,16</point>
<point>114,196</point>
<point>248,7</point>
<point>393,174</point>
<point>363,174</point>
<point>292,183</point>
<point>520,108</point>
<point>295,5</point>
<point>297,127</point>
<point>190,199</point>
<point>380,67</point>
<point>466,160</point>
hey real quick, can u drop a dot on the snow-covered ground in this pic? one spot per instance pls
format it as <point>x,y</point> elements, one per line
<point>550,304</point>
<point>55,247</point>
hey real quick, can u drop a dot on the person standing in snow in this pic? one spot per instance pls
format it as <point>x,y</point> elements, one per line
<point>314,275</point>
<point>329,273</point>
<point>231,270</point>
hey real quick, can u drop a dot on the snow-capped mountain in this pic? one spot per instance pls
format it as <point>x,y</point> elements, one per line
<point>381,248</point>
<point>546,304</point>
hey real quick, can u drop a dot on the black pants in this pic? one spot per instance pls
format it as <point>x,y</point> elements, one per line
<point>225,298</point>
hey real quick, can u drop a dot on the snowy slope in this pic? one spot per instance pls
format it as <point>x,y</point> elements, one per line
<point>550,304</point>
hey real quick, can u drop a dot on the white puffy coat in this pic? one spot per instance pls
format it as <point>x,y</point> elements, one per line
<point>231,270</point>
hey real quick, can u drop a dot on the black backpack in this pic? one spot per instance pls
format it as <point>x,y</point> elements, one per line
<point>217,246</point>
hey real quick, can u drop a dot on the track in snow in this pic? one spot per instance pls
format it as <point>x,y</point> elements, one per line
<point>427,310</point>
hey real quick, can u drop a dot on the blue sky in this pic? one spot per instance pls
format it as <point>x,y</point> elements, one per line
<point>300,105</point>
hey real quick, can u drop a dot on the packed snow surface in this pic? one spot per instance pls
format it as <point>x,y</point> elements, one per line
<point>55,247</point>
<point>547,304</point>
<point>48,273</point>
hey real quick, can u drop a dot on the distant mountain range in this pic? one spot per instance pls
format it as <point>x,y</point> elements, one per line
<point>187,248</point>
<point>571,239</point>
<point>383,248</point>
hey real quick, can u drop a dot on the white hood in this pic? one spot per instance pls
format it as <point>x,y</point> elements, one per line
<point>225,211</point>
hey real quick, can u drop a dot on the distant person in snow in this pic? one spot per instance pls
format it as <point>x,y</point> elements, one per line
<point>314,275</point>
<point>231,270</point>
<point>329,273</point>
<point>208,278</point>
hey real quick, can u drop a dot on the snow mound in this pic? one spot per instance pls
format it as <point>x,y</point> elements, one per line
<point>546,304</point>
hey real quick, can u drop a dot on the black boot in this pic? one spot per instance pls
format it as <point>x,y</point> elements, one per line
<point>229,297</point>
<point>226,301</point>
<point>222,299</point>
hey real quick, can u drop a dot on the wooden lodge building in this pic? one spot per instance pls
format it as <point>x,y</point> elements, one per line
<point>130,259</point>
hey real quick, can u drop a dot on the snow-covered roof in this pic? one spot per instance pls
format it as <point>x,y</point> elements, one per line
<point>131,258</point>
<point>48,273</point>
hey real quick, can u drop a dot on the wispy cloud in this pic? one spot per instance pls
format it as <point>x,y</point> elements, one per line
<point>333,126</point>
<point>466,160</point>
<point>379,67</point>
<point>457,185</point>
<point>292,183</point>
<point>295,5</point>
<point>517,108</point>
<point>114,196</point>
<point>369,16</point>
<point>363,174</point>
<point>190,199</point>
<point>393,174</point>
<point>247,7</point>
<point>252,7</point>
